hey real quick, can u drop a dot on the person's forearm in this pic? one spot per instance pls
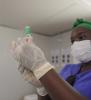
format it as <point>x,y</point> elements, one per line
<point>58,89</point>
<point>47,97</point>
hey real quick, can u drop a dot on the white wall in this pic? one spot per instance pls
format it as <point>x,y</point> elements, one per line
<point>12,85</point>
<point>60,42</point>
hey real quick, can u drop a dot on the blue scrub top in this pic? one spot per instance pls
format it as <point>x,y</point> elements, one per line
<point>83,80</point>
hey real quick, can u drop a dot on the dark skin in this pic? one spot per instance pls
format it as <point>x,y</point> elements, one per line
<point>60,89</point>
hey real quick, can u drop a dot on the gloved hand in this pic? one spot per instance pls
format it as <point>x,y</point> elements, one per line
<point>25,72</point>
<point>32,57</point>
<point>29,77</point>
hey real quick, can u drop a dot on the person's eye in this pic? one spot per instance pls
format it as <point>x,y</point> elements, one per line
<point>82,37</point>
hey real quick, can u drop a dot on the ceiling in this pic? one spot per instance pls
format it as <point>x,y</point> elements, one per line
<point>47,17</point>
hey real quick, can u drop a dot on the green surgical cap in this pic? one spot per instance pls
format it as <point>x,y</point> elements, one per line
<point>82,23</point>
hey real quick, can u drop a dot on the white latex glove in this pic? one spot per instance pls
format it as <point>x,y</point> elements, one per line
<point>32,57</point>
<point>29,77</point>
<point>26,73</point>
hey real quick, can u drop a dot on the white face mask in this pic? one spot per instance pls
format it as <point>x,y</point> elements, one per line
<point>81,50</point>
